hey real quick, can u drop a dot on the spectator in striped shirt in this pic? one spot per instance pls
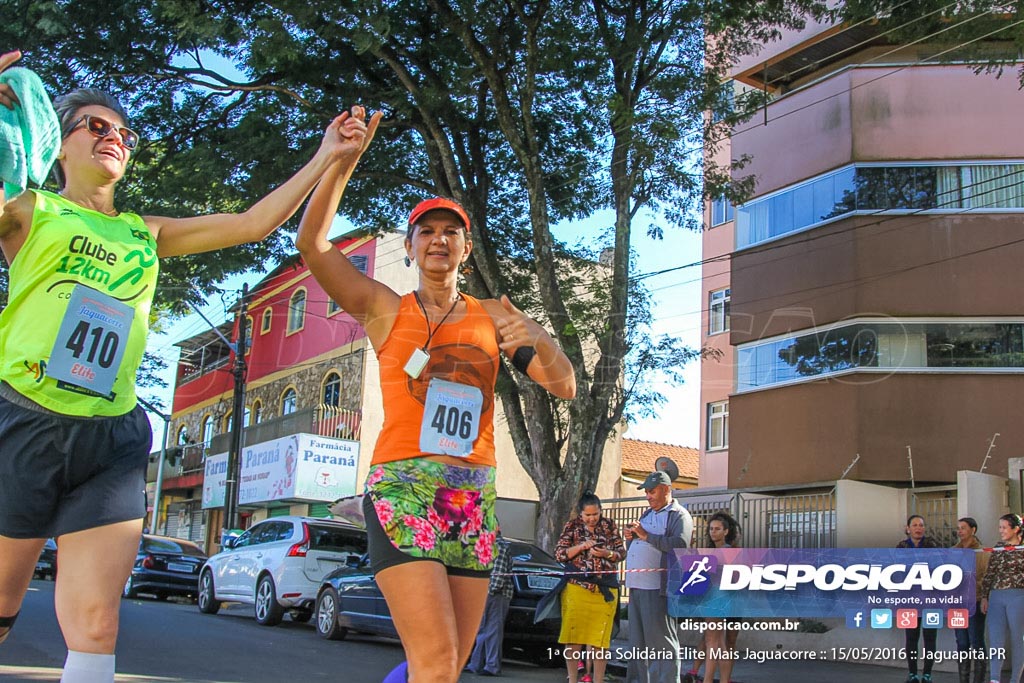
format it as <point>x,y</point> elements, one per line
<point>486,657</point>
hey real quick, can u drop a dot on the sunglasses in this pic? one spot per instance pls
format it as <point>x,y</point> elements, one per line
<point>101,128</point>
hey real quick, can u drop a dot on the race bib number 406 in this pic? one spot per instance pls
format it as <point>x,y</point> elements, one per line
<point>451,418</point>
<point>91,341</point>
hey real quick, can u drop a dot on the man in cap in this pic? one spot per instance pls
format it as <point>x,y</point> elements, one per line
<point>651,542</point>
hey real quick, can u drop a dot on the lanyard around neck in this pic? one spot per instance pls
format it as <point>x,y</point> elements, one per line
<point>426,318</point>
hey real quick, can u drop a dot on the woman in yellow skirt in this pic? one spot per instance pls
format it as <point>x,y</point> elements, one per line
<point>591,544</point>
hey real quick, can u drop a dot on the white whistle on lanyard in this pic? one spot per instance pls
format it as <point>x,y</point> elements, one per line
<point>417,361</point>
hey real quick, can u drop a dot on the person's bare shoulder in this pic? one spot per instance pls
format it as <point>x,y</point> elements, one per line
<point>16,215</point>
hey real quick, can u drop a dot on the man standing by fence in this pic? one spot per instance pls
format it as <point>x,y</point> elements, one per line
<point>652,540</point>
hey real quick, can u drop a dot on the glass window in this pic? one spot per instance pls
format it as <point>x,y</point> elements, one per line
<point>288,402</point>
<point>360,261</point>
<point>297,311</point>
<point>332,390</point>
<point>332,306</point>
<point>895,346</point>
<point>182,435</point>
<point>718,311</point>
<point>803,204</point>
<point>879,188</point>
<point>338,540</point>
<point>228,422</point>
<point>166,545</point>
<point>718,425</point>
<point>267,317</point>
<point>264,533</point>
<point>208,430</point>
<point>245,539</point>
<point>722,211</point>
<point>257,412</point>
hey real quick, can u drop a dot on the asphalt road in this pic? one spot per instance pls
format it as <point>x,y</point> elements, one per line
<point>172,641</point>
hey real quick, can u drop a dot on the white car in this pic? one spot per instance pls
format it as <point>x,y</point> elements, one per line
<point>278,565</point>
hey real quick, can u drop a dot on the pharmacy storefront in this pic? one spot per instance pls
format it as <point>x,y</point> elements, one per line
<point>297,474</point>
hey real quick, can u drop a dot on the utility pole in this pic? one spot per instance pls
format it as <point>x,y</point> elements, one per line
<point>160,464</point>
<point>238,416</point>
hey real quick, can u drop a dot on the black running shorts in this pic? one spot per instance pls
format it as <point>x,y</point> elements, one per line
<point>61,474</point>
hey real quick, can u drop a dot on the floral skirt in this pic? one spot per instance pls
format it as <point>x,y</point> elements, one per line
<point>433,510</point>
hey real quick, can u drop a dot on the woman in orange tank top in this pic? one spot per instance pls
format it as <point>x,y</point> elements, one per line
<point>430,493</point>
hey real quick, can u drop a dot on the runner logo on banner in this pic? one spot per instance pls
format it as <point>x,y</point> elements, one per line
<point>825,582</point>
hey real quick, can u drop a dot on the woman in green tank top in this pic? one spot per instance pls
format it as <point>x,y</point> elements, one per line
<point>71,339</point>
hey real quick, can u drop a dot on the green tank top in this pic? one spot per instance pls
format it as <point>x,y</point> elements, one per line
<point>71,252</point>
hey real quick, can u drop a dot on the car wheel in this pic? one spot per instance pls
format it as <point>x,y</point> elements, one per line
<point>268,611</point>
<point>327,615</point>
<point>208,604</point>
<point>301,616</point>
<point>129,589</point>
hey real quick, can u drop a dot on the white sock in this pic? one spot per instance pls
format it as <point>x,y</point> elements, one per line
<point>83,667</point>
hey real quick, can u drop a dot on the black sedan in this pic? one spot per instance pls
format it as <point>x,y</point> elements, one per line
<point>165,566</point>
<point>349,601</point>
<point>46,565</point>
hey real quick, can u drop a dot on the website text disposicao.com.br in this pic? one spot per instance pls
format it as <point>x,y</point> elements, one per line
<point>737,625</point>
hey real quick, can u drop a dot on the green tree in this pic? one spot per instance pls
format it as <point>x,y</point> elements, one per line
<point>529,113</point>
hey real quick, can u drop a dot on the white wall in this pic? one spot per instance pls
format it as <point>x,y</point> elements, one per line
<point>869,516</point>
<point>985,498</point>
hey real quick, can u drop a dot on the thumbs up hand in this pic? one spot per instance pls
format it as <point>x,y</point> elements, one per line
<point>516,328</point>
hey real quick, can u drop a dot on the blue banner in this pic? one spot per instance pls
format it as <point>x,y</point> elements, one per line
<point>861,584</point>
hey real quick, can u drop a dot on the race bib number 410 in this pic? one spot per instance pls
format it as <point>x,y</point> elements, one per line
<point>91,341</point>
<point>451,418</point>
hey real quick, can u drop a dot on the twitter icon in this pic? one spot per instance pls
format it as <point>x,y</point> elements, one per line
<point>881,618</point>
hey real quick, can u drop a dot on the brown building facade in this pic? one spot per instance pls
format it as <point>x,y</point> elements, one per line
<point>873,293</point>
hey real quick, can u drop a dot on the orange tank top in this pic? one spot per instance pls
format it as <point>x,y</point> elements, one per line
<point>465,352</point>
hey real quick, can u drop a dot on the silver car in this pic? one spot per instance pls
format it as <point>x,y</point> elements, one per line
<point>278,565</point>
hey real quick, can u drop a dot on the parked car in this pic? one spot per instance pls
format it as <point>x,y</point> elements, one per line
<point>165,566</point>
<point>349,600</point>
<point>278,565</point>
<point>46,565</point>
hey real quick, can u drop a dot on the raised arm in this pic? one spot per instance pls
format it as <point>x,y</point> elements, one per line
<point>7,99</point>
<point>12,221</point>
<point>548,365</point>
<point>175,236</point>
<point>371,303</point>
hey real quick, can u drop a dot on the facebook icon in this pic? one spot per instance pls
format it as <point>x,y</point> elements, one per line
<point>855,618</point>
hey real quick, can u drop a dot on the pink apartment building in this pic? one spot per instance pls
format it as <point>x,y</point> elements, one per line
<point>873,298</point>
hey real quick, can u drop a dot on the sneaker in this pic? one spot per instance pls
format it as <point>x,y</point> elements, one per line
<point>912,678</point>
<point>580,666</point>
<point>925,678</point>
<point>585,678</point>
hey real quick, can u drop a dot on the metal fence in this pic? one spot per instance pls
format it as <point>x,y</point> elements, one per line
<point>938,505</point>
<point>797,518</point>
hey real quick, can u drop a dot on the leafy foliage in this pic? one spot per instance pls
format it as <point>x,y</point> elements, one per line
<point>528,112</point>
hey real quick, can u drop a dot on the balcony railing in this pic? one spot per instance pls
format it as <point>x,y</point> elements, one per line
<point>191,372</point>
<point>323,420</point>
